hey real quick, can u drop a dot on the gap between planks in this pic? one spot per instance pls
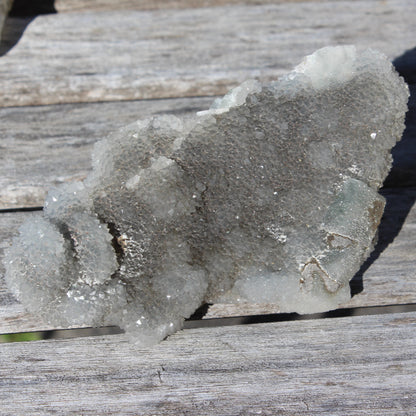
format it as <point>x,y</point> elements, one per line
<point>360,4</point>
<point>388,279</point>
<point>258,317</point>
<point>349,366</point>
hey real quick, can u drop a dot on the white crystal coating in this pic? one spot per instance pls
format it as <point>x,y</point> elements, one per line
<point>235,97</point>
<point>270,196</point>
<point>328,65</point>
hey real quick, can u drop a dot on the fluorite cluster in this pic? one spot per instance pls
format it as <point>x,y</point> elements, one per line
<point>270,196</point>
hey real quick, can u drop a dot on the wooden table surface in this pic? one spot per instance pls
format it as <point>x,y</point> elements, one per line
<point>68,79</point>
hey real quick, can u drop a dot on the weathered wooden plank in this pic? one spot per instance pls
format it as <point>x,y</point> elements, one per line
<point>390,279</point>
<point>129,54</point>
<point>395,254</point>
<point>346,366</point>
<point>44,146</point>
<point>66,6</point>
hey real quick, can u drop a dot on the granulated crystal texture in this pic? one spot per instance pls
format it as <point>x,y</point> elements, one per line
<point>270,196</point>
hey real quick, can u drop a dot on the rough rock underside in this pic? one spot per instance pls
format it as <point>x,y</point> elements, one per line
<point>270,196</point>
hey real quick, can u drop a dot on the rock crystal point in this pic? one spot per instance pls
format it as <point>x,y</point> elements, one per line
<point>270,196</point>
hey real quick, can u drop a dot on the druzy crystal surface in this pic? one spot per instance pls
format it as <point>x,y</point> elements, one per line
<point>270,196</point>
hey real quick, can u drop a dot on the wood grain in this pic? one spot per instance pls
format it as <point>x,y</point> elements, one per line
<point>67,6</point>
<point>390,278</point>
<point>346,366</point>
<point>44,146</point>
<point>130,54</point>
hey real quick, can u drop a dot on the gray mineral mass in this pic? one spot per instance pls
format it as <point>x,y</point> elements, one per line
<point>270,196</point>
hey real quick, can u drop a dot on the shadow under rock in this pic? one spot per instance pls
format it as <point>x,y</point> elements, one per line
<point>19,17</point>
<point>399,201</point>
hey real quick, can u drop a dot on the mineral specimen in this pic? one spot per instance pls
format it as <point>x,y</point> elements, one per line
<point>270,196</point>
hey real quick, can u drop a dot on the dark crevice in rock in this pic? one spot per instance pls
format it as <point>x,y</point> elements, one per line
<point>116,242</point>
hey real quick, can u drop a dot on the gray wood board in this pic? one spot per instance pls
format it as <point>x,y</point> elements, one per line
<point>345,366</point>
<point>44,146</point>
<point>67,6</point>
<point>389,279</point>
<point>129,54</point>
